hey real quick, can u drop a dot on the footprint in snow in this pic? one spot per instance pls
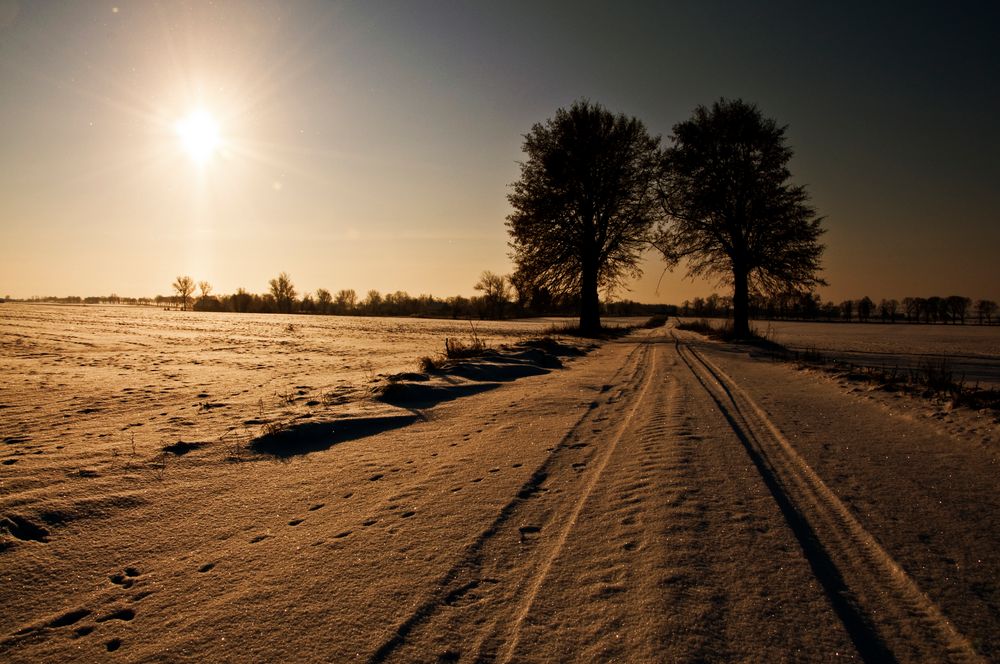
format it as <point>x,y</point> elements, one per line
<point>529,533</point>
<point>120,614</point>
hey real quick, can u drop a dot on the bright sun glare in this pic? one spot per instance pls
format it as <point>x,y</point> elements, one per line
<point>199,134</point>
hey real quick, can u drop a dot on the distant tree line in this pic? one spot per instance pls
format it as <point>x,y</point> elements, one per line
<point>91,299</point>
<point>501,296</point>
<point>954,309</point>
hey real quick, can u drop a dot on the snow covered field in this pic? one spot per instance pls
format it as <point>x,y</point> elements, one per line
<point>660,498</point>
<point>970,351</point>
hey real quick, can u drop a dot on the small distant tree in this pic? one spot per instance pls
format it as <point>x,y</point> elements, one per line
<point>240,301</point>
<point>346,300</point>
<point>584,204</point>
<point>847,309</point>
<point>496,293</point>
<point>184,286</point>
<point>712,304</point>
<point>888,310</point>
<point>985,309</point>
<point>372,302</point>
<point>935,309</point>
<point>865,306</point>
<point>958,308</point>
<point>731,210</point>
<point>830,310</point>
<point>206,302</point>
<point>283,292</point>
<point>809,305</point>
<point>457,305</point>
<point>913,307</point>
<point>323,300</point>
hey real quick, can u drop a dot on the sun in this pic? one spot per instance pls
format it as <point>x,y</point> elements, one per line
<point>199,134</point>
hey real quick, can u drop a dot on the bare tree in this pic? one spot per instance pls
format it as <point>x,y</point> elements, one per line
<point>958,308</point>
<point>205,288</point>
<point>584,204</point>
<point>888,310</point>
<point>935,309</point>
<point>985,310</point>
<point>847,309</point>
<point>914,307</point>
<point>865,306</point>
<point>372,302</point>
<point>496,291</point>
<point>283,292</point>
<point>346,300</point>
<point>731,210</point>
<point>184,287</point>
<point>323,300</point>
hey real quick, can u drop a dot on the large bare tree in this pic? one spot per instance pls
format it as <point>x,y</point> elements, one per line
<point>731,210</point>
<point>584,204</point>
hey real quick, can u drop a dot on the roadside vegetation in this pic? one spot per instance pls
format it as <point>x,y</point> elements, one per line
<point>933,378</point>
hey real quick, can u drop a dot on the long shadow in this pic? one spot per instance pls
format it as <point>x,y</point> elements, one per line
<point>505,371</point>
<point>421,395</point>
<point>317,436</point>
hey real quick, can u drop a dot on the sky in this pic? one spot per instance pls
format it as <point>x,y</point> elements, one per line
<point>371,145</point>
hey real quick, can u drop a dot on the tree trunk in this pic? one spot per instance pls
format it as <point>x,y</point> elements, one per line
<point>741,303</point>
<point>590,306</point>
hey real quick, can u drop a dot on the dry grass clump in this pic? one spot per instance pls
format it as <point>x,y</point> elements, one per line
<point>456,349</point>
<point>430,364</point>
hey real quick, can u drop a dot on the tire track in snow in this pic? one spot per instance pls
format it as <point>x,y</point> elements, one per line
<point>645,374</point>
<point>469,575</point>
<point>885,613</point>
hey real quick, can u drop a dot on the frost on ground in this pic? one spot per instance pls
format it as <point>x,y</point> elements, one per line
<point>662,498</point>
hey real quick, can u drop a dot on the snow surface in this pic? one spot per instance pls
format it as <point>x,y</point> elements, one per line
<point>661,498</point>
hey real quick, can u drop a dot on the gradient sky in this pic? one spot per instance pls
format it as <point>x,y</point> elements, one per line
<point>371,144</point>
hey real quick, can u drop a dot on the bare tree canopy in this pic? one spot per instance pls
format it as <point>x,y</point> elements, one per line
<point>731,211</point>
<point>584,204</point>
<point>184,287</point>
<point>283,292</point>
<point>496,291</point>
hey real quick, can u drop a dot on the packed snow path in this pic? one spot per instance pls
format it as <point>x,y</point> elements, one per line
<point>662,499</point>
